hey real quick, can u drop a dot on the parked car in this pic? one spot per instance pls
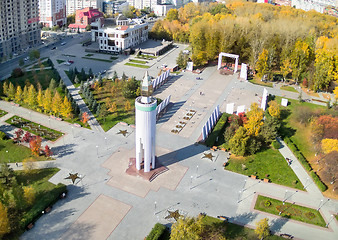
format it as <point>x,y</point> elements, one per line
<point>26,58</point>
<point>63,43</point>
<point>70,61</point>
<point>67,63</point>
<point>198,78</point>
<point>53,48</point>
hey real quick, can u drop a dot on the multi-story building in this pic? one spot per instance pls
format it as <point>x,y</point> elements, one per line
<point>19,25</point>
<point>110,7</point>
<point>85,17</point>
<point>73,5</point>
<point>318,5</point>
<point>116,38</point>
<point>162,9</point>
<point>140,4</point>
<point>52,12</point>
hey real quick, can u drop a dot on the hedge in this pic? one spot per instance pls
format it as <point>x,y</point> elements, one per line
<point>322,187</point>
<point>157,231</point>
<point>218,130</point>
<point>47,200</point>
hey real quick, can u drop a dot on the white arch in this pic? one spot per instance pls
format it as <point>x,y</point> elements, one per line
<point>222,54</point>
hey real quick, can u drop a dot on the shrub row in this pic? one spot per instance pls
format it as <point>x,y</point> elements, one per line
<point>45,201</point>
<point>218,130</point>
<point>157,231</point>
<point>305,164</point>
<point>322,187</point>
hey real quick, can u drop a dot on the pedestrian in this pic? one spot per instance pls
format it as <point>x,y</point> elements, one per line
<point>17,165</point>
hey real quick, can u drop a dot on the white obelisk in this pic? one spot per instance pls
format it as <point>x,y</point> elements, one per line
<point>145,119</point>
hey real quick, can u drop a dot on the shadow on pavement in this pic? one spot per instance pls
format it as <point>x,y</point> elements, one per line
<point>63,150</point>
<point>277,224</point>
<point>243,219</point>
<point>171,109</point>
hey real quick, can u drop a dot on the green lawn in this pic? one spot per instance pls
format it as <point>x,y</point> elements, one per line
<point>266,162</point>
<point>32,127</point>
<point>60,61</point>
<point>259,82</point>
<point>137,61</point>
<point>46,194</point>
<point>98,59</point>
<point>136,65</point>
<point>33,77</point>
<point>2,113</point>
<point>114,58</point>
<point>89,55</point>
<point>292,211</point>
<point>288,88</point>
<point>68,55</point>
<point>11,152</point>
<point>149,57</point>
<point>234,231</point>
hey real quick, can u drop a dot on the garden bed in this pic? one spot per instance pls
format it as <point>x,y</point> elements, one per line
<point>136,65</point>
<point>98,59</point>
<point>35,128</point>
<point>288,88</point>
<point>289,210</point>
<point>2,113</point>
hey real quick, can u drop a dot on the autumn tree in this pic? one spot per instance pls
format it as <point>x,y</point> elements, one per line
<point>27,137</point>
<point>31,96</point>
<point>48,151</point>
<point>18,95</point>
<point>39,98</point>
<point>29,194</point>
<point>186,228</point>
<point>28,164</point>
<point>182,60</point>
<point>56,103</point>
<point>18,133</point>
<point>274,109</point>
<point>127,106</point>
<point>4,221</point>
<point>329,173</point>
<point>35,145</point>
<point>299,58</point>
<point>263,228</point>
<point>254,122</point>
<point>172,14</point>
<point>113,108</point>
<point>285,68</point>
<point>329,145</point>
<point>262,63</point>
<point>47,100</point>
<point>85,118</point>
<point>66,108</point>
<point>11,91</point>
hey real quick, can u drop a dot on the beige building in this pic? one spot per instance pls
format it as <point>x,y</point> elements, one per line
<point>52,12</point>
<point>73,5</point>
<point>19,21</point>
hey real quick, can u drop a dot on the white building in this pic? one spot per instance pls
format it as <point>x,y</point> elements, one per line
<point>140,4</point>
<point>318,5</point>
<point>73,5</point>
<point>119,37</point>
<point>162,9</point>
<point>52,12</point>
<point>145,120</point>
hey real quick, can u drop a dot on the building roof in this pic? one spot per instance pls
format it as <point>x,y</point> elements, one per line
<point>73,25</point>
<point>124,28</point>
<point>121,17</point>
<point>92,13</point>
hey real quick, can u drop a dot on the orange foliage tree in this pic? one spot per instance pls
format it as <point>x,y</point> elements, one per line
<point>35,145</point>
<point>85,118</point>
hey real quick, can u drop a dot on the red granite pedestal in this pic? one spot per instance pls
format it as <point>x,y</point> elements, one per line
<point>150,176</point>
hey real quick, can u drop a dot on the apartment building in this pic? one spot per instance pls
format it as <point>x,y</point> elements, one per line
<point>111,7</point>
<point>140,4</point>
<point>73,5</point>
<point>52,12</point>
<point>19,21</point>
<point>116,38</point>
<point>85,17</point>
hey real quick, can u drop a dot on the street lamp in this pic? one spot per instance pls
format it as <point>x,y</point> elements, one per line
<point>285,197</point>
<point>196,171</point>
<point>329,221</point>
<point>105,141</point>
<point>320,204</point>
<point>97,150</point>
<point>155,208</point>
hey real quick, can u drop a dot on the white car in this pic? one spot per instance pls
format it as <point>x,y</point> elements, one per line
<point>26,58</point>
<point>63,43</point>
<point>67,63</point>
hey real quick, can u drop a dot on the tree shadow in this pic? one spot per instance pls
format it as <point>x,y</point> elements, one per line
<point>277,224</point>
<point>8,129</point>
<point>171,109</point>
<point>243,219</point>
<point>63,150</point>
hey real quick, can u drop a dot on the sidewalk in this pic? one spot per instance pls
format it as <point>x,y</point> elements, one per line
<point>76,96</point>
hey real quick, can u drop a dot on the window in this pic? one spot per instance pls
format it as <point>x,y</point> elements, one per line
<point>111,35</point>
<point>111,42</point>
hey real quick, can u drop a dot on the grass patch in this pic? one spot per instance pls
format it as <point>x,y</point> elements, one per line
<point>35,128</point>
<point>98,59</point>
<point>89,55</point>
<point>60,61</point>
<point>259,82</point>
<point>11,152</point>
<point>2,113</point>
<point>288,88</point>
<point>263,164</point>
<point>149,57</point>
<point>136,65</point>
<point>292,211</point>
<point>43,77</point>
<point>68,55</point>
<point>137,61</point>
<point>46,194</point>
<point>114,58</point>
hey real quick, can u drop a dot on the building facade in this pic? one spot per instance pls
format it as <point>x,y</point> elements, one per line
<point>85,17</point>
<point>19,21</point>
<point>318,5</point>
<point>140,4</point>
<point>118,38</point>
<point>162,9</point>
<point>73,5</point>
<point>52,12</point>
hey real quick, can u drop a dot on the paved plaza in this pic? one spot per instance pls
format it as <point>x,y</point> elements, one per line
<point>106,203</point>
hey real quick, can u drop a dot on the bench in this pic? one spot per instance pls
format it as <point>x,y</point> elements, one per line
<point>266,180</point>
<point>253,177</point>
<point>223,218</point>
<point>285,235</point>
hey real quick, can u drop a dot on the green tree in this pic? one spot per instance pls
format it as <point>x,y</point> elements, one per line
<point>34,54</point>
<point>182,60</point>
<point>71,19</point>
<point>238,143</point>
<point>263,228</point>
<point>269,129</point>
<point>52,85</point>
<point>130,88</point>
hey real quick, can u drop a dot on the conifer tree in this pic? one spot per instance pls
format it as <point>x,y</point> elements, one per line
<point>18,95</point>
<point>56,104</point>
<point>47,100</point>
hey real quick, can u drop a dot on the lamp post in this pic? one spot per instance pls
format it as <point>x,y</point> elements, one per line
<point>196,171</point>
<point>105,142</point>
<point>191,182</point>
<point>239,196</point>
<point>155,208</point>
<point>329,221</point>
<point>285,197</point>
<point>97,151</point>
<point>320,204</point>
<point>73,131</point>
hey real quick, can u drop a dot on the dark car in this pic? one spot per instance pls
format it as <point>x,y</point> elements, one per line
<point>53,48</point>
<point>70,61</point>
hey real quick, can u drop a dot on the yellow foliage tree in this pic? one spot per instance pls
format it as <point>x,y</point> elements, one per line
<point>254,122</point>
<point>274,109</point>
<point>39,98</point>
<point>4,222</point>
<point>66,108</point>
<point>56,104</point>
<point>285,68</point>
<point>186,228</point>
<point>47,100</point>
<point>28,164</point>
<point>335,91</point>
<point>329,145</point>
<point>113,108</point>
<point>263,228</point>
<point>18,95</point>
<point>127,106</point>
<point>31,96</point>
<point>29,194</point>
<point>262,63</point>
